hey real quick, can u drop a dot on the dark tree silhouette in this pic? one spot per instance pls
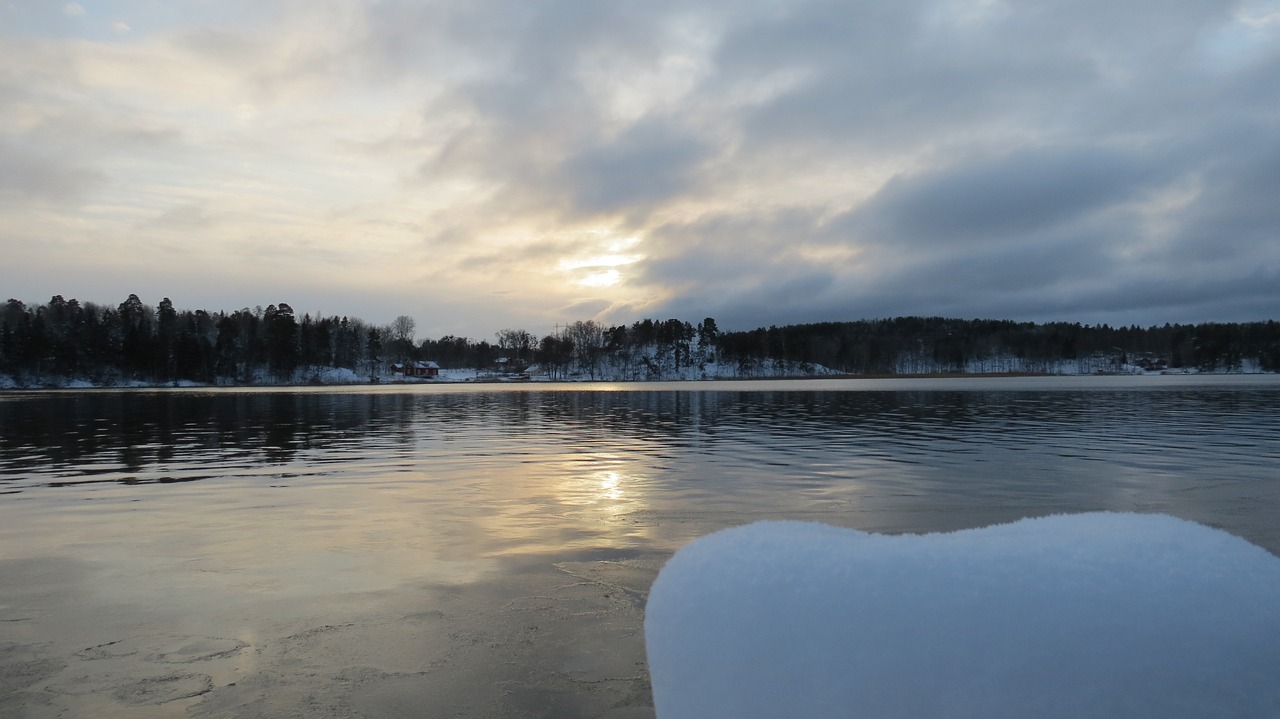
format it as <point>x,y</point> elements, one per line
<point>64,339</point>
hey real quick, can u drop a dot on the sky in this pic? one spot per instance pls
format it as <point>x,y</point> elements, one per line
<point>481,165</point>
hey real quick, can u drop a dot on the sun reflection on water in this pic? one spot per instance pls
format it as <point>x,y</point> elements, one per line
<point>610,484</point>
<point>608,487</point>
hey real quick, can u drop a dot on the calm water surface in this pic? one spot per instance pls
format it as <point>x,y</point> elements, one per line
<point>486,549</point>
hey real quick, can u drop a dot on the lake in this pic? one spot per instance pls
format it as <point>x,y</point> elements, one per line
<point>486,550</point>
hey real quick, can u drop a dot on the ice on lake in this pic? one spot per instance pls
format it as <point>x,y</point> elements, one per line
<point>1086,615</point>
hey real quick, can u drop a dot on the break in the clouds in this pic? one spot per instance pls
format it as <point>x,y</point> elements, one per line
<point>485,165</point>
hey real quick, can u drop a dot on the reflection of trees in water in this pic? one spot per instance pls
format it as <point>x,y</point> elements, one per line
<point>706,414</point>
<point>887,417</point>
<point>110,432</point>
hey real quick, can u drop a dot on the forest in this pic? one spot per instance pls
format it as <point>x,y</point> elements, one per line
<point>64,341</point>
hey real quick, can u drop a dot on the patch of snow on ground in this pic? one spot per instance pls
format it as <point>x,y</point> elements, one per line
<point>338,375</point>
<point>458,375</point>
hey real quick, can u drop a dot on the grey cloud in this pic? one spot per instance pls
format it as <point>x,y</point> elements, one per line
<point>1066,264</point>
<point>1015,196</point>
<point>1237,215</point>
<point>53,149</point>
<point>101,134</point>
<point>909,62</point>
<point>1103,112</point>
<point>1032,267</point>
<point>721,250</point>
<point>519,63</point>
<point>45,175</point>
<point>534,127</point>
<point>798,288</point>
<point>1135,297</point>
<point>1039,284</point>
<point>650,162</point>
<point>879,75</point>
<point>741,269</point>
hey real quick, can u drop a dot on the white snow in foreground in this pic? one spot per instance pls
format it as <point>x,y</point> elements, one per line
<point>1087,615</point>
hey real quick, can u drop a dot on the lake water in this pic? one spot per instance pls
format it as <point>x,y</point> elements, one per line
<point>485,550</point>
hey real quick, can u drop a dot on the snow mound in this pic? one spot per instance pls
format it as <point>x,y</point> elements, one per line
<point>1098,615</point>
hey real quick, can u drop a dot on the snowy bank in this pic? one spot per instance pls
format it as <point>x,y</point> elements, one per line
<point>1090,615</point>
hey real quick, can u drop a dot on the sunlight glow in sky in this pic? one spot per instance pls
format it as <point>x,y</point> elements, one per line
<point>486,165</point>
<point>602,270</point>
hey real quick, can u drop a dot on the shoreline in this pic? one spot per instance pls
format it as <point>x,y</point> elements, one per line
<point>86,386</point>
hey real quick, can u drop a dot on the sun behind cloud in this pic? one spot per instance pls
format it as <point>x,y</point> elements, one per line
<point>608,278</point>
<point>601,263</point>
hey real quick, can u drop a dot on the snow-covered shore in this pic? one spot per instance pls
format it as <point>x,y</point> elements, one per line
<point>336,376</point>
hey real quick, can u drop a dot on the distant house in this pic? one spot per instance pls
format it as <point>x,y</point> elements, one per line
<point>416,369</point>
<point>506,365</point>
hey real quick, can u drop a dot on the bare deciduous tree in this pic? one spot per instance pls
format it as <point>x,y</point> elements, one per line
<point>519,343</point>
<point>402,329</point>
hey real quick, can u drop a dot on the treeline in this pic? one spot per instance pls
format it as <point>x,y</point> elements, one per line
<point>939,345</point>
<point>134,342</point>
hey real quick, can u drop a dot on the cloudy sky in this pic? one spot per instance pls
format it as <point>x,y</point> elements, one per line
<point>480,165</point>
